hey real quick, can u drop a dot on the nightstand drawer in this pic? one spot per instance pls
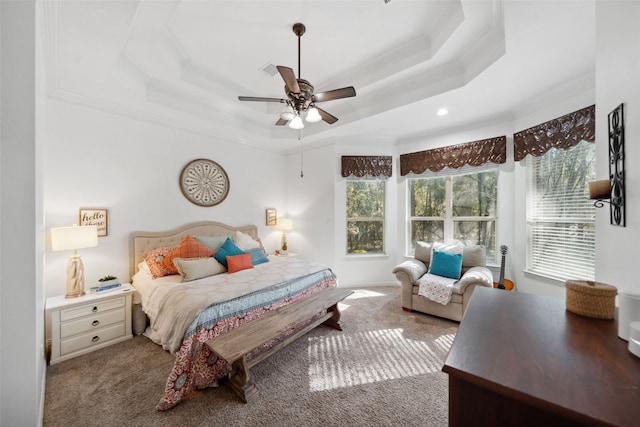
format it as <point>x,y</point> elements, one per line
<point>92,339</point>
<point>91,323</point>
<point>88,309</point>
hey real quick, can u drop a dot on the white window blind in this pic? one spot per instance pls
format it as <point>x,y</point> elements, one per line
<point>560,216</point>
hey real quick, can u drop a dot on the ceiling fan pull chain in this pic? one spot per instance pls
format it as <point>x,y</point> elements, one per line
<point>301,154</point>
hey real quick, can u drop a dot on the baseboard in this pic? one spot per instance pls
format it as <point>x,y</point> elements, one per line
<point>43,382</point>
<point>367,284</point>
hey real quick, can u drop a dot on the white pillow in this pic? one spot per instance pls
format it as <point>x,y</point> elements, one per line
<point>244,241</point>
<point>197,268</point>
<point>450,248</point>
<point>143,266</point>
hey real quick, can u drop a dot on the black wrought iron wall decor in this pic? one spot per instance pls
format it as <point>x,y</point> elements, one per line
<point>616,165</point>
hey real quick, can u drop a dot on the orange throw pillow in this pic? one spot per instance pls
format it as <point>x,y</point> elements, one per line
<point>188,248</point>
<point>238,263</point>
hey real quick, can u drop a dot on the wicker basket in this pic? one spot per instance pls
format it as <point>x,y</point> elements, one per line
<point>591,299</point>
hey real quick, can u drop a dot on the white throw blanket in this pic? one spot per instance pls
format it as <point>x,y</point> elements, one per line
<point>436,288</point>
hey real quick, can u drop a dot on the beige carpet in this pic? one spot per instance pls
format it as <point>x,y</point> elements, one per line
<point>383,369</point>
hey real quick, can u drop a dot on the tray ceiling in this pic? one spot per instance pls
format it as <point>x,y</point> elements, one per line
<point>184,63</point>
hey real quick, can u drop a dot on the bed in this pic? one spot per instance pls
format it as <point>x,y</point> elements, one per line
<point>182,311</point>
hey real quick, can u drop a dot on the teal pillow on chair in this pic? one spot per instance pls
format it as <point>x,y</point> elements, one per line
<point>228,248</point>
<point>446,264</point>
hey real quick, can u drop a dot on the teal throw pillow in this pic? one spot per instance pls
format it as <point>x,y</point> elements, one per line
<point>257,256</point>
<point>228,248</point>
<point>446,264</point>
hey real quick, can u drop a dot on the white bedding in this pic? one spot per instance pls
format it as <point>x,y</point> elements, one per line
<point>172,305</point>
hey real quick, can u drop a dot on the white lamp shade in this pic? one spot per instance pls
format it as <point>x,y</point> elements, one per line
<point>284,224</point>
<point>296,123</point>
<point>313,115</point>
<point>72,238</point>
<point>287,113</point>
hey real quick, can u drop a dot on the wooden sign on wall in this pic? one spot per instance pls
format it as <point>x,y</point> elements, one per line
<point>94,216</point>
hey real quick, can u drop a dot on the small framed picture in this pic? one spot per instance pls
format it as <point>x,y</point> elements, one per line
<point>271,217</point>
<point>94,216</point>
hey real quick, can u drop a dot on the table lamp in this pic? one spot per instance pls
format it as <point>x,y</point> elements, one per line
<point>284,224</point>
<point>74,238</point>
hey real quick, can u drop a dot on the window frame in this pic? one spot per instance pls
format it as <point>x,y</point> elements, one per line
<point>382,219</point>
<point>449,219</point>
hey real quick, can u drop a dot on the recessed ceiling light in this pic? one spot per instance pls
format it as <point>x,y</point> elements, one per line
<point>443,112</point>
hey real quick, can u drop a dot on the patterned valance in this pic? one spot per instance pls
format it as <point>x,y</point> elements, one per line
<point>563,132</point>
<point>366,166</point>
<point>475,153</point>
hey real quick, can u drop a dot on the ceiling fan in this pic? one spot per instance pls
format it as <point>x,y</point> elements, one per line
<point>300,97</point>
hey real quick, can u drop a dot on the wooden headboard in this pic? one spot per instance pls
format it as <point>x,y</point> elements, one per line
<point>142,242</point>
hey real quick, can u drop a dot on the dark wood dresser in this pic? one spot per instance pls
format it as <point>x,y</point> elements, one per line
<point>523,360</point>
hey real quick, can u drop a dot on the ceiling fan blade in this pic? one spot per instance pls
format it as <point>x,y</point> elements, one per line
<point>281,122</point>
<point>256,98</point>
<point>345,92</point>
<point>329,118</point>
<point>289,78</point>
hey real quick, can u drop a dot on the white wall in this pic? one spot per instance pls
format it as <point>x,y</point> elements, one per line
<point>310,204</point>
<point>365,270</point>
<point>617,71</point>
<point>316,203</point>
<point>22,363</point>
<point>131,168</point>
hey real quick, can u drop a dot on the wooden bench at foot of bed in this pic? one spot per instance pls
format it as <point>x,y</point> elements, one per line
<point>235,345</point>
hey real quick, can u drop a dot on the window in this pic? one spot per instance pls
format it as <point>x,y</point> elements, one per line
<point>560,216</point>
<point>365,216</point>
<point>460,208</point>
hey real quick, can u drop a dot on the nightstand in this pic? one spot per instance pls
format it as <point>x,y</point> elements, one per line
<point>81,325</point>
<point>288,255</point>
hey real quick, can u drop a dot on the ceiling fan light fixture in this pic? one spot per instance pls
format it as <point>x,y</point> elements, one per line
<point>313,115</point>
<point>287,113</point>
<point>296,123</point>
<point>300,97</point>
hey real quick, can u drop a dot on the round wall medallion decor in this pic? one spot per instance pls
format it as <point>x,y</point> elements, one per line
<point>204,182</point>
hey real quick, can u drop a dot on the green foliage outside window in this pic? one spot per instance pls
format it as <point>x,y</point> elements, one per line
<point>460,208</point>
<point>560,216</point>
<point>365,216</point>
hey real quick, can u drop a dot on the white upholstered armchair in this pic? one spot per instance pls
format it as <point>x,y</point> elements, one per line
<point>473,273</point>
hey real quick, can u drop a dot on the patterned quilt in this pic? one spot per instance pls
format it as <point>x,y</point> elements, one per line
<point>239,298</point>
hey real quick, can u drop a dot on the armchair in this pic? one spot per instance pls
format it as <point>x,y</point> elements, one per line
<point>474,273</point>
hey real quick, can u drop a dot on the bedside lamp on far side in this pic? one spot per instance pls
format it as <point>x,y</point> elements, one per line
<point>72,239</point>
<point>284,224</point>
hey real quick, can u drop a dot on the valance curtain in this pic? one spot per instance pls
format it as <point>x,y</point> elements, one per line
<point>563,132</point>
<point>475,153</point>
<point>367,166</point>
